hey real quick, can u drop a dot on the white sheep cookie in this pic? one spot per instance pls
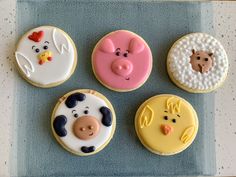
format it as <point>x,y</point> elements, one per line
<point>46,56</point>
<point>197,63</point>
<point>83,122</point>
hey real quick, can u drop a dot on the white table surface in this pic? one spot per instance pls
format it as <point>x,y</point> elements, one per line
<point>224,25</point>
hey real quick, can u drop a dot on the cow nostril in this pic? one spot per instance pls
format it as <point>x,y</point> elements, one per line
<point>90,127</point>
<point>82,129</point>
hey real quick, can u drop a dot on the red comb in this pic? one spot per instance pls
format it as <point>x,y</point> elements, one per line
<point>36,36</point>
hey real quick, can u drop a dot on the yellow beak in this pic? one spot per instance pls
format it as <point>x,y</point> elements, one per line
<point>44,57</point>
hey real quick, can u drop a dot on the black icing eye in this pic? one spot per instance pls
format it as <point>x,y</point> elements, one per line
<point>117,53</point>
<point>76,115</point>
<point>206,59</point>
<point>126,53</point>
<point>86,112</point>
<point>45,47</point>
<point>37,50</point>
<point>166,117</point>
<point>174,120</point>
<point>198,58</point>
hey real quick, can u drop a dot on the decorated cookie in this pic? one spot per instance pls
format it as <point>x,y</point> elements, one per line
<point>166,124</point>
<point>46,56</point>
<point>122,61</point>
<point>83,122</point>
<point>197,63</point>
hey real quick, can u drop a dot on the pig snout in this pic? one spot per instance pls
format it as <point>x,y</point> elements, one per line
<point>122,67</point>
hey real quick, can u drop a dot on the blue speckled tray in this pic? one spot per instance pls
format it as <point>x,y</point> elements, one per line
<point>160,24</point>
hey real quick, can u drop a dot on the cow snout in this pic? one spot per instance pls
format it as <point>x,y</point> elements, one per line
<point>86,127</point>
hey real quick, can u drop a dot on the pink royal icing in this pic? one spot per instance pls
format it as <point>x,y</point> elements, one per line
<point>122,60</point>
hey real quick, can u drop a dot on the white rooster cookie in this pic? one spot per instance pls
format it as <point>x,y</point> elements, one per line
<point>46,56</point>
<point>83,122</point>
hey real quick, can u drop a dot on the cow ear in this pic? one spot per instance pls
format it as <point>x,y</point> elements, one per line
<point>106,116</point>
<point>59,125</point>
<point>187,134</point>
<point>60,41</point>
<point>107,46</point>
<point>146,117</point>
<point>136,46</point>
<point>73,99</point>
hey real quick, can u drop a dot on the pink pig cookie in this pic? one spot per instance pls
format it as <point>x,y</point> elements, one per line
<point>122,61</point>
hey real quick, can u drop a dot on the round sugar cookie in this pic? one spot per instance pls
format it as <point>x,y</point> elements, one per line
<point>197,63</point>
<point>83,122</point>
<point>166,124</point>
<point>122,61</point>
<point>46,56</point>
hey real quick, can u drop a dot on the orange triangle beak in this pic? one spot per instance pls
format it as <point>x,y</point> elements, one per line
<point>166,129</point>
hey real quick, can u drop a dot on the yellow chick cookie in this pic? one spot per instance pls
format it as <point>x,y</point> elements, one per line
<point>166,124</point>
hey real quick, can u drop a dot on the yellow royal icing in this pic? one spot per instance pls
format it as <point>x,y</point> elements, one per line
<point>166,124</point>
<point>146,117</point>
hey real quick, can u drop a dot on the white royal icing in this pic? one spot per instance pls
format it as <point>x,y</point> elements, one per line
<point>70,140</point>
<point>28,67</point>
<point>181,69</point>
<point>63,56</point>
<point>63,47</point>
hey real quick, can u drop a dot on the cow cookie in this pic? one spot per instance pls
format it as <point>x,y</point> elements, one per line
<point>83,122</point>
<point>46,56</point>
<point>166,124</point>
<point>122,61</point>
<point>197,63</point>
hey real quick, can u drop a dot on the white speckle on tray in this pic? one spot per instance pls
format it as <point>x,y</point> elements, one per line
<point>7,43</point>
<point>225,113</point>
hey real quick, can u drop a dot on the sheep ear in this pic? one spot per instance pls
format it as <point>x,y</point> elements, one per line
<point>106,116</point>
<point>59,125</point>
<point>136,45</point>
<point>107,46</point>
<point>210,54</point>
<point>60,41</point>
<point>73,99</point>
<point>187,134</point>
<point>146,117</point>
<point>193,51</point>
<point>24,63</point>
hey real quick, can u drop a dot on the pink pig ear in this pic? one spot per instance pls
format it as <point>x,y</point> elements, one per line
<point>136,45</point>
<point>107,46</point>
